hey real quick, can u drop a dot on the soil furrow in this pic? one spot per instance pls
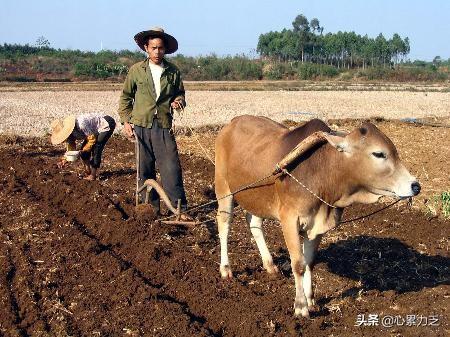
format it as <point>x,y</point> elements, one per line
<point>36,310</point>
<point>13,296</point>
<point>160,296</point>
<point>33,192</point>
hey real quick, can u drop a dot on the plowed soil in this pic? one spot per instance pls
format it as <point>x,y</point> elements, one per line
<point>76,259</point>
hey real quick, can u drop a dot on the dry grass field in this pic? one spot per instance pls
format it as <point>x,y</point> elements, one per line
<point>30,107</point>
<point>77,260</point>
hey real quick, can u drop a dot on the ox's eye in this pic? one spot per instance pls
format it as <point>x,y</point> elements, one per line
<point>379,154</point>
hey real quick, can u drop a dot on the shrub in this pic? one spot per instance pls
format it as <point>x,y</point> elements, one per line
<point>307,71</point>
<point>374,73</point>
<point>444,198</point>
<point>347,76</point>
<point>278,71</point>
<point>99,70</point>
<point>245,69</point>
<point>214,68</point>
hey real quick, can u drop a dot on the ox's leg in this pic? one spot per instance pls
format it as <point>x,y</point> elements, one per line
<point>224,218</point>
<point>290,232</point>
<point>255,224</point>
<point>309,252</point>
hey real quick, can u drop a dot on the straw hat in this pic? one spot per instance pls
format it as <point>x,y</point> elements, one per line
<point>61,129</point>
<point>170,43</point>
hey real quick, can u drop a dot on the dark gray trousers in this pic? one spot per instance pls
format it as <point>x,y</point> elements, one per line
<point>158,146</point>
<point>95,155</point>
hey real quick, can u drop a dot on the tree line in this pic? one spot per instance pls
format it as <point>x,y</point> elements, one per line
<point>42,62</point>
<point>306,42</point>
<point>302,53</point>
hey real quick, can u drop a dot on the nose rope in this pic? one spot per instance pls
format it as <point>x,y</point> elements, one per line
<point>332,206</point>
<point>378,210</point>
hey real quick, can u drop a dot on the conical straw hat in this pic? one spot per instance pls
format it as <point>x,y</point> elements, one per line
<point>61,129</point>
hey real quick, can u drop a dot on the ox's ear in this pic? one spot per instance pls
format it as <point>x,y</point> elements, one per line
<point>338,141</point>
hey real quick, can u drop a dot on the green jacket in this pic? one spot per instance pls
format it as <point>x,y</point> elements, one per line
<point>138,102</point>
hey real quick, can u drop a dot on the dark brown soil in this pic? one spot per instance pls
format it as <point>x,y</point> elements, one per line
<point>76,259</point>
<point>144,213</point>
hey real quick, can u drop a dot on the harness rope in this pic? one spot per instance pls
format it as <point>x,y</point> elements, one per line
<point>305,187</point>
<point>217,199</point>
<point>180,116</point>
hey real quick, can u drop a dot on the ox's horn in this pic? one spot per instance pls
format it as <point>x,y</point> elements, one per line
<point>306,144</point>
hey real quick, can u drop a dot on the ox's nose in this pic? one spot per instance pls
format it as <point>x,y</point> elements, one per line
<point>415,186</point>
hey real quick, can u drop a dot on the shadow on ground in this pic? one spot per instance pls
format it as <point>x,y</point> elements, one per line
<point>385,264</point>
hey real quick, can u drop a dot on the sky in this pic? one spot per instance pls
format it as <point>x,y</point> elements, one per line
<point>221,27</point>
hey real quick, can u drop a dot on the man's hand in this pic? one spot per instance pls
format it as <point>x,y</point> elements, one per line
<point>128,130</point>
<point>61,163</point>
<point>177,104</point>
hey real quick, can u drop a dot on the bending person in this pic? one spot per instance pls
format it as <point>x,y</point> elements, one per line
<point>93,130</point>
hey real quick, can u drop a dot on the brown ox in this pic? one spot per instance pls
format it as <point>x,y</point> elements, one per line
<point>358,167</point>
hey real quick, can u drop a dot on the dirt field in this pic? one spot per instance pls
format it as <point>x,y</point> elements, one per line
<point>77,261</point>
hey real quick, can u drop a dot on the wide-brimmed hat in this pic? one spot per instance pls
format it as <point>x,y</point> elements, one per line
<point>170,43</point>
<point>61,129</point>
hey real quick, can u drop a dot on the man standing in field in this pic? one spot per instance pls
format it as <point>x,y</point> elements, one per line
<point>151,89</point>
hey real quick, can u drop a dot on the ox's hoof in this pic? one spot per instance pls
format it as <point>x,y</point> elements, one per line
<point>311,303</point>
<point>301,312</point>
<point>225,272</point>
<point>271,268</point>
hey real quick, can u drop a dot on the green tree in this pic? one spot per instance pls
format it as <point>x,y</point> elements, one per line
<point>396,45</point>
<point>315,25</point>
<point>306,42</point>
<point>42,42</point>
<point>406,47</point>
<point>381,49</point>
<point>301,28</point>
<point>437,61</point>
<point>314,39</point>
